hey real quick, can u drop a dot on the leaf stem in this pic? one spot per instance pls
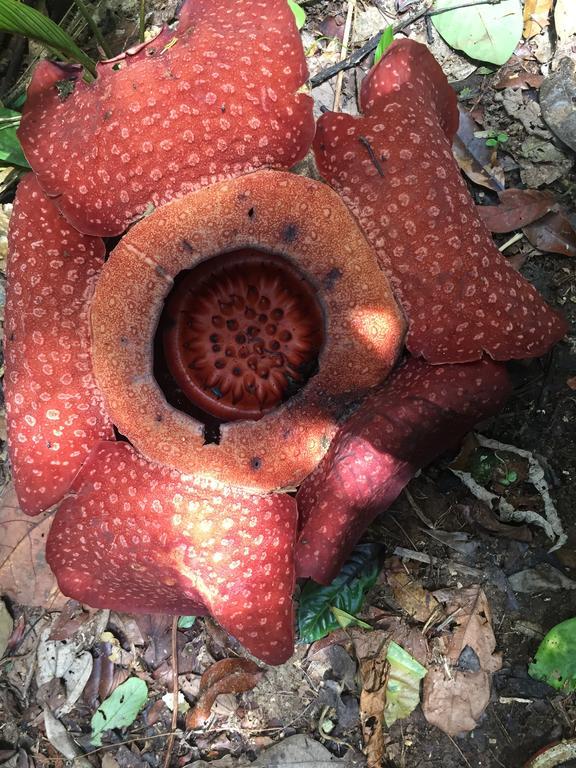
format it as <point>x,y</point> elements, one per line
<point>89,19</point>
<point>142,26</point>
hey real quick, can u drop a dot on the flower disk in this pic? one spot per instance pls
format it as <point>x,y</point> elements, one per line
<point>302,223</point>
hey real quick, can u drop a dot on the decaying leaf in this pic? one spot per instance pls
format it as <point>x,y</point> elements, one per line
<point>408,592</point>
<point>518,207</point>
<point>553,233</point>
<point>298,751</point>
<point>225,676</point>
<point>69,660</point>
<point>457,687</point>
<point>515,74</point>
<point>403,686</point>
<point>478,161</point>
<point>542,578</point>
<point>6,627</point>
<point>60,738</point>
<point>24,572</point>
<point>371,650</point>
<point>536,17</point>
<point>564,20</point>
<point>479,514</point>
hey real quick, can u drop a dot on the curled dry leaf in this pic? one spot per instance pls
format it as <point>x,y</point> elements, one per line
<point>478,161</point>
<point>225,676</point>
<point>60,738</point>
<point>518,207</point>
<point>6,627</point>
<point>457,688</point>
<point>554,755</point>
<point>536,17</point>
<point>514,74</point>
<point>553,233</point>
<point>24,573</point>
<point>371,650</point>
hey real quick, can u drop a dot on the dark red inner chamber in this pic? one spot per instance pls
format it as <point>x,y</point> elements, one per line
<point>241,333</point>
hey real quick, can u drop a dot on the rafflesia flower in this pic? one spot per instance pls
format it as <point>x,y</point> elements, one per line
<point>235,346</point>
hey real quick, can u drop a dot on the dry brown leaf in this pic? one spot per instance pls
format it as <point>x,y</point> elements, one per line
<point>518,208</point>
<point>408,592</point>
<point>457,687</point>
<point>516,74</point>
<point>24,572</point>
<point>564,20</point>
<point>478,161</point>
<point>552,233</point>
<point>477,513</point>
<point>536,17</point>
<point>225,676</point>
<point>371,649</point>
<point>455,704</point>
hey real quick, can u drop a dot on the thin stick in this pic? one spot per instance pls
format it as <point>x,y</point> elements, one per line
<point>371,45</point>
<point>170,746</point>
<point>142,20</point>
<point>343,53</point>
<point>375,162</point>
<point>421,557</point>
<point>511,241</point>
<point>89,19</point>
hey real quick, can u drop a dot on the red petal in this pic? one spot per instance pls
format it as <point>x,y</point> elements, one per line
<point>54,409</point>
<point>421,411</point>
<point>395,171</point>
<point>213,99</point>
<point>138,537</point>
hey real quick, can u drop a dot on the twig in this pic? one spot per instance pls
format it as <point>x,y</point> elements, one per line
<point>462,755</point>
<point>463,5</point>
<point>371,45</point>
<point>410,554</point>
<point>375,161</point>
<point>417,509</point>
<point>511,241</point>
<point>89,19</point>
<point>142,20</point>
<point>343,52</point>
<point>170,746</point>
<point>47,760</point>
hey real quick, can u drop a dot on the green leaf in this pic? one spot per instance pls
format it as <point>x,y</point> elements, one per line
<point>315,611</point>
<point>386,40</point>
<point>345,619</point>
<point>299,13</point>
<point>11,153</point>
<point>488,32</point>
<point>185,622</point>
<point>403,686</point>
<point>502,138</point>
<point>555,660</point>
<point>20,19</point>
<point>120,709</point>
<point>491,143</point>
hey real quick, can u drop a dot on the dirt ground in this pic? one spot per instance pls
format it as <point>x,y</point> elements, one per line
<point>319,683</point>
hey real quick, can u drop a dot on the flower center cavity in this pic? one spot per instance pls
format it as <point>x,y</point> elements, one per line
<point>242,333</point>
